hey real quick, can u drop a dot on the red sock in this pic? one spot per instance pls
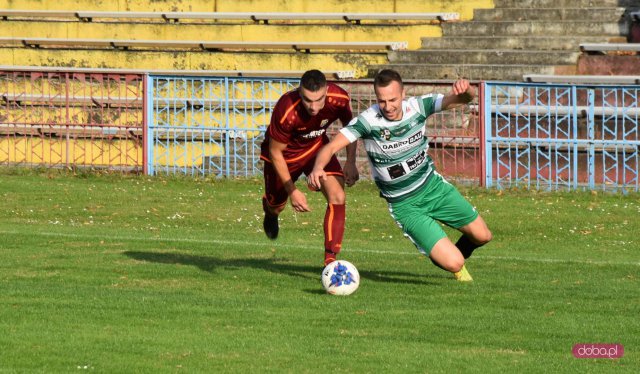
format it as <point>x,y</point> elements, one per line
<point>333,228</point>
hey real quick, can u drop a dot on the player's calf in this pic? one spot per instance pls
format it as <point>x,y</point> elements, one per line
<point>270,223</point>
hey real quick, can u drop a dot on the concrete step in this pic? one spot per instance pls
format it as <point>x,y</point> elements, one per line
<point>567,43</point>
<point>535,28</point>
<point>497,57</point>
<point>464,8</point>
<point>564,3</point>
<point>409,33</point>
<point>550,14</point>
<point>453,71</point>
<point>190,60</point>
<point>515,38</point>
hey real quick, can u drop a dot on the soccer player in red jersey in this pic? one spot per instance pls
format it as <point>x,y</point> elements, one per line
<point>296,133</point>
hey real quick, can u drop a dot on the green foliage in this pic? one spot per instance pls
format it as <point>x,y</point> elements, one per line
<point>115,273</point>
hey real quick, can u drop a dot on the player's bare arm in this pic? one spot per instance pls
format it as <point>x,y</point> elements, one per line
<point>461,93</point>
<point>324,156</point>
<point>351,174</point>
<point>298,198</point>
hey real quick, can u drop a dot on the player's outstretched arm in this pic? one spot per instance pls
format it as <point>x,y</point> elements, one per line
<point>462,92</point>
<point>298,199</point>
<point>351,174</point>
<point>324,156</point>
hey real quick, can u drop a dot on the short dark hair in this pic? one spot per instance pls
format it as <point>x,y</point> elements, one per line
<point>313,80</point>
<point>385,77</point>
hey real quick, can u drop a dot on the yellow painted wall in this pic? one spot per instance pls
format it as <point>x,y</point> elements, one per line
<point>315,31</point>
<point>210,119</point>
<point>118,153</point>
<point>78,152</point>
<point>183,154</point>
<point>250,102</point>
<point>411,34</point>
<point>181,60</point>
<point>39,114</point>
<point>464,7</point>
<point>124,152</point>
<point>32,119</point>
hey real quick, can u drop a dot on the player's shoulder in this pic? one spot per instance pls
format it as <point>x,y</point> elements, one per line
<point>422,98</point>
<point>289,97</point>
<point>334,88</point>
<point>370,116</point>
<point>284,111</point>
<point>425,103</point>
<point>337,94</point>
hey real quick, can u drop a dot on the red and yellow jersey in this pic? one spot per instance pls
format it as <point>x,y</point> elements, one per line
<point>305,134</point>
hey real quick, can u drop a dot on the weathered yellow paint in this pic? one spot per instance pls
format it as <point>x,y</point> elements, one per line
<point>186,154</point>
<point>213,119</point>
<point>410,33</point>
<point>181,60</point>
<point>249,100</point>
<point>119,153</point>
<point>292,31</point>
<point>207,118</point>
<point>464,7</point>
<point>37,85</point>
<point>36,150</point>
<point>75,116</point>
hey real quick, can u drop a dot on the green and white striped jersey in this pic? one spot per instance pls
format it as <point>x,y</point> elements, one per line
<point>397,150</point>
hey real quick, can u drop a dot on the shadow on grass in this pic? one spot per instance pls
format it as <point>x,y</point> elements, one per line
<point>210,264</point>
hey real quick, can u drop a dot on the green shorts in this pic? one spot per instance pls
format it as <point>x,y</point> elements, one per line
<point>419,214</point>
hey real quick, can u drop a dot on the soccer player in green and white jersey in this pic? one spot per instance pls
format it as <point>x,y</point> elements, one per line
<point>393,131</point>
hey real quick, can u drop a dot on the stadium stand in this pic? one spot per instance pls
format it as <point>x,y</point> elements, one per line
<point>223,36</point>
<point>517,38</point>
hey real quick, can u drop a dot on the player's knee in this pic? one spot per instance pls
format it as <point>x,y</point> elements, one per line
<point>276,210</point>
<point>451,263</point>
<point>484,237</point>
<point>337,197</point>
<point>454,265</point>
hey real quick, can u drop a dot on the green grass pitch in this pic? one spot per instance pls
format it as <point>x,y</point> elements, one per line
<point>110,273</point>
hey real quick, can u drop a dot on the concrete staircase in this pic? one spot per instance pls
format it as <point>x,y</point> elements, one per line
<point>517,37</point>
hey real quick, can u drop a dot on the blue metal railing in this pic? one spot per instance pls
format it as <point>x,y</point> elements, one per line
<point>561,137</point>
<point>202,125</point>
<point>539,136</point>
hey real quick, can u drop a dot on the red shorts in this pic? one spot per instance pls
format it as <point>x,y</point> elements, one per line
<point>273,188</point>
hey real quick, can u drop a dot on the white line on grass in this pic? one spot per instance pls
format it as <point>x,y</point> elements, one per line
<point>297,246</point>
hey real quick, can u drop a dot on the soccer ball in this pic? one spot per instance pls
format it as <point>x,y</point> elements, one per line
<point>340,278</point>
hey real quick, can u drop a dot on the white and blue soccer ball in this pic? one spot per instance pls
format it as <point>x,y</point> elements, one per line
<point>340,278</point>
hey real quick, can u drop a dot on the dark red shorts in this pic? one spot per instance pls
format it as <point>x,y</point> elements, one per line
<point>274,190</point>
